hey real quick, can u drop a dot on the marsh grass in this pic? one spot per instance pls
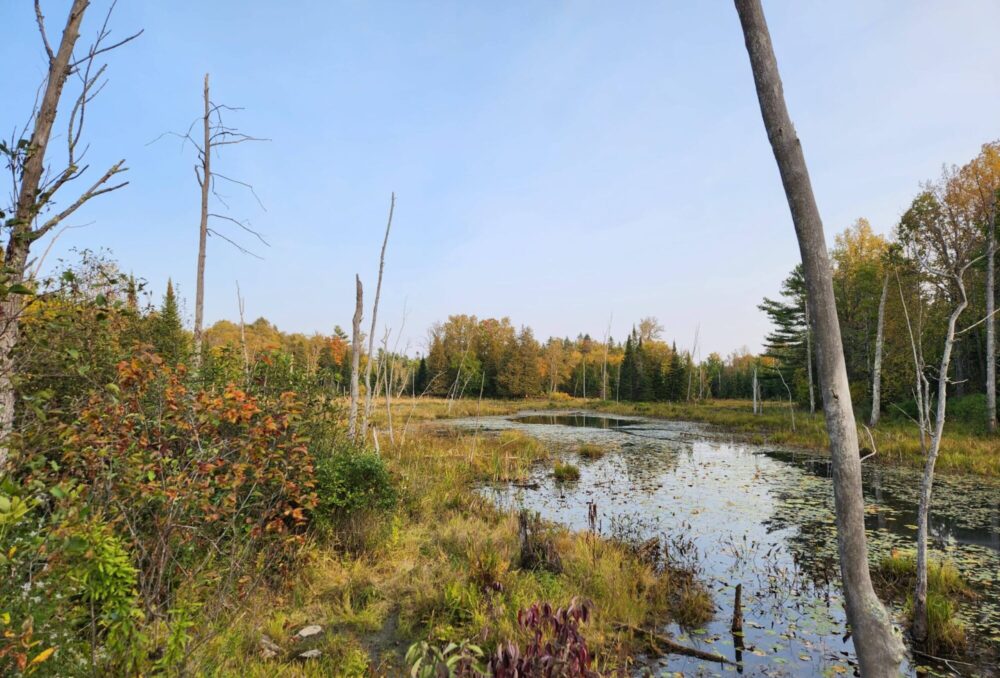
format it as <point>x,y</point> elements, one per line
<point>965,448</point>
<point>895,576</point>
<point>444,567</point>
<point>590,451</point>
<point>565,472</point>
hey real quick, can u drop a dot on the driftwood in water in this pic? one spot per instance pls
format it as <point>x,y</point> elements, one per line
<point>673,647</point>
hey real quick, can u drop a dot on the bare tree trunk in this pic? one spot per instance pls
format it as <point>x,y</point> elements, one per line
<point>877,372</point>
<point>809,363</point>
<point>991,325</point>
<point>34,191</point>
<point>388,385</point>
<point>205,180</point>
<point>355,361</point>
<point>880,651</point>
<point>604,365</point>
<point>755,390</point>
<point>371,336</point>
<point>927,483</point>
<point>243,334</point>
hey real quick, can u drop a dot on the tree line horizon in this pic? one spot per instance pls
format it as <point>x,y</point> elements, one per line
<point>467,355</point>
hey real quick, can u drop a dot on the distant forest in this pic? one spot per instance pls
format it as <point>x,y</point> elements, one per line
<point>469,356</point>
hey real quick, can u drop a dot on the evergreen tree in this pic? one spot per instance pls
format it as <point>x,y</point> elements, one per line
<point>787,340</point>
<point>676,379</point>
<point>169,337</point>
<point>422,377</point>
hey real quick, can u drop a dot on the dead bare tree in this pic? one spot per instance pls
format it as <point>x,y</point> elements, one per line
<point>879,649</point>
<point>604,364</point>
<point>371,335</point>
<point>877,369</point>
<point>941,237</point>
<point>243,332</point>
<point>691,360</point>
<point>215,134</point>
<point>355,359</point>
<point>35,182</point>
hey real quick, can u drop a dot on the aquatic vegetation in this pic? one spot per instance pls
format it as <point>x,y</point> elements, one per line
<point>686,496</point>
<point>564,472</point>
<point>590,451</point>
<point>946,590</point>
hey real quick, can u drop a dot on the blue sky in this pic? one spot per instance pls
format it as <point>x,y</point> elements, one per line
<point>555,162</point>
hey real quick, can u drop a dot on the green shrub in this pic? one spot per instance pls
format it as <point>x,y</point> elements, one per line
<point>353,481</point>
<point>970,409</point>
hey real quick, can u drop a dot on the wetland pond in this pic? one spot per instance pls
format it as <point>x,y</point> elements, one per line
<point>763,518</point>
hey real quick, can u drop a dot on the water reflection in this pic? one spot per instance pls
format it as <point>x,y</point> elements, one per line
<point>760,518</point>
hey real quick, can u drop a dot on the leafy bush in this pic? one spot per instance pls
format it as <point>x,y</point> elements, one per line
<point>556,649</point>
<point>454,660</point>
<point>969,409</point>
<point>350,481</point>
<point>226,462</point>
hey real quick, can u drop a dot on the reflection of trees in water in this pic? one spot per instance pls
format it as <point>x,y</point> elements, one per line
<point>965,510</point>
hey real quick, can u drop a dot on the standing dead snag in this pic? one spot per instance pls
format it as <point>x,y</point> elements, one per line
<point>371,335</point>
<point>942,239</point>
<point>877,370</point>
<point>879,649</point>
<point>36,182</point>
<point>214,135</point>
<point>355,360</point>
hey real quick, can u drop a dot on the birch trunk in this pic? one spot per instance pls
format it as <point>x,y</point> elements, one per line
<point>877,372</point>
<point>371,335</point>
<point>809,363</point>
<point>879,650</point>
<point>927,483</point>
<point>15,259</point>
<point>991,326</point>
<point>355,361</point>
<point>206,179</point>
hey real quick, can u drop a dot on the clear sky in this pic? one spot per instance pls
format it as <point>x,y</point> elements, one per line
<point>555,162</point>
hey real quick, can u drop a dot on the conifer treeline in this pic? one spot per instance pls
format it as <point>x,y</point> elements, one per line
<point>468,356</point>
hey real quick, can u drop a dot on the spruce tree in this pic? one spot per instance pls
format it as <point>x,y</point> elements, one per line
<point>169,337</point>
<point>420,381</point>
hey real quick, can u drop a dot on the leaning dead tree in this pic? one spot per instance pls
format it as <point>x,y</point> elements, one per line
<point>879,649</point>
<point>38,179</point>
<point>215,134</point>
<point>369,396</point>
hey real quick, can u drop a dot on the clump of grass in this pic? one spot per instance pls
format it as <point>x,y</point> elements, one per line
<point>565,472</point>
<point>590,451</point>
<point>896,575</point>
<point>692,605</point>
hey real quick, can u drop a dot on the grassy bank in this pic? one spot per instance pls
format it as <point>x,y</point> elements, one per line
<point>445,566</point>
<point>964,449</point>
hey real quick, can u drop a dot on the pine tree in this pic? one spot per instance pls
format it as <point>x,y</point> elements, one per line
<point>422,377</point>
<point>169,337</point>
<point>676,379</point>
<point>787,340</point>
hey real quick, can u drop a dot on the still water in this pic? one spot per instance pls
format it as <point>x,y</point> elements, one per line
<point>763,518</point>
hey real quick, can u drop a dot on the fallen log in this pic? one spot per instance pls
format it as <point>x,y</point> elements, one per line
<point>673,647</point>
